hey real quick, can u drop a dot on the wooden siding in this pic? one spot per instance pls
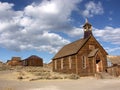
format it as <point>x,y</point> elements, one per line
<point>33,61</point>
<point>114,70</point>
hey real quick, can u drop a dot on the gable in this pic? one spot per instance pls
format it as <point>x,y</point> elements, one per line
<point>99,46</point>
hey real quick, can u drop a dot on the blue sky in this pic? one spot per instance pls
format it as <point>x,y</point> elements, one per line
<point>42,27</point>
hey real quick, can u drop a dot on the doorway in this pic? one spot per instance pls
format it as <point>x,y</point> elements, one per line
<point>98,65</point>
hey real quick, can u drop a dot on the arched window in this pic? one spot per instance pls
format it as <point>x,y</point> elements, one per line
<point>84,62</point>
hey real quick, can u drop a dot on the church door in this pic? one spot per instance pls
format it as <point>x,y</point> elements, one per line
<point>97,65</point>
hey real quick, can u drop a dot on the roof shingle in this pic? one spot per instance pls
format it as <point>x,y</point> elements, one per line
<point>71,48</point>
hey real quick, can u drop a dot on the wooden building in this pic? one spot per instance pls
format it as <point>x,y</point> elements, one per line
<point>15,61</point>
<point>84,57</point>
<point>114,65</point>
<point>1,63</point>
<point>33,61</point>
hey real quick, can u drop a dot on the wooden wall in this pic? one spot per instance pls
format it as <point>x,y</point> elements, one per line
<point>114,71</point>
<point>34,62</point>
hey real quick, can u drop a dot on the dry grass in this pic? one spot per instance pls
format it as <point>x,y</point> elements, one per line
<point>4,67</point>
<point>43,73</point>
<point>47,74</point>
<point>38,73</point>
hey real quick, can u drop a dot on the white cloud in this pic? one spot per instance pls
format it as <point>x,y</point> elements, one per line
<point>92,9</point>
<point>112,49</point>
<point>75,32</point>
<point>32,28</point>
<point>109,34</point>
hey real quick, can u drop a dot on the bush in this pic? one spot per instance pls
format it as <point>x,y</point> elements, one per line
<point>20,77</point>
<point>56,77</point>
<point>74,76</point>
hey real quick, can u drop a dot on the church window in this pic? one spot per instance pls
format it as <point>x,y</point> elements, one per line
<point>62,63</point>
<point>70,62</point>
<point>83,62</point>
<point>55,64</point>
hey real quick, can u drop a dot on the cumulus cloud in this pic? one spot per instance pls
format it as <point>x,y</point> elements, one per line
<point>108,34</point>
<point>92,8</point>
<point>6,11</point>
<point>75,32</point>
<point>32,28</point>
<point>112,49</point>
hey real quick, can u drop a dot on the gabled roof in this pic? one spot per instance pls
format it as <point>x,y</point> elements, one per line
<point>34,57</point>
<point>71,48</point>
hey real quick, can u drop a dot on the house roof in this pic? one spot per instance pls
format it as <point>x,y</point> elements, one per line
<point>34,57</point>
<point>71,48</point>
<point>93,52</point>
<point>114,59</point>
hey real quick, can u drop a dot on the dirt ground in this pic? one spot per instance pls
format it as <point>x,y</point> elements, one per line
<point>9,82</point>
<point>81,84</point>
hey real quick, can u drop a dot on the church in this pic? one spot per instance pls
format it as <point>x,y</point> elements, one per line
<point>84,57</point>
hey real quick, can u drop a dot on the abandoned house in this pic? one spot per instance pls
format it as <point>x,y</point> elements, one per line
<point>84,57</point>
<point>113,65</point>
<point>33,61</point>
<point>15,61</point>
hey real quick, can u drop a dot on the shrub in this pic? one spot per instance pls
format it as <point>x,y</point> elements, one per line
<point>20,77</point>
<point>74,76</point>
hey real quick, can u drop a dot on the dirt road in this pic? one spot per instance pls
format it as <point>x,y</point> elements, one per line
<point>81,84</point>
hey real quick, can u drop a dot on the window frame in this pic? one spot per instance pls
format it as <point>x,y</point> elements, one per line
<point>55,64</point>
<point>62,63</point>
<point>70,62</point>
<point>84,62</point>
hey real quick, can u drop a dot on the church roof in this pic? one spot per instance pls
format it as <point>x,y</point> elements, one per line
<point>71,48</point>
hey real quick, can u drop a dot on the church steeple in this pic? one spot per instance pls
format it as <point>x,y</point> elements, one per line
<point>87,29</point>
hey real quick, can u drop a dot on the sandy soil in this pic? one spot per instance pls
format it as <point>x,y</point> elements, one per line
<point>81,84</point>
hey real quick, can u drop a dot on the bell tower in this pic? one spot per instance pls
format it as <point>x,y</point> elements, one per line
<point>87,29</point>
